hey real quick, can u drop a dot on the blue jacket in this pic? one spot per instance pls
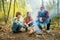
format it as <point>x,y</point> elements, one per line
<point>45,16</point>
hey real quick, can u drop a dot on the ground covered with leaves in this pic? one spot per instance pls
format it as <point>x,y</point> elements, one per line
<point>6,34</point>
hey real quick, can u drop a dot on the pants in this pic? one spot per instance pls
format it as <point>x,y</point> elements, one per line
<point>28,25</point>
<point>48,24</point>
<point>16,27</point>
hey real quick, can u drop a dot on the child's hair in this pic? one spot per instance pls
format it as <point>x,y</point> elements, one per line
<point>18,13</point>
<point>28,13</point>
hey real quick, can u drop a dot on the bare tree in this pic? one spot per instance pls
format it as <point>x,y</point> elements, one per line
<point>0,5</point>
<point>4,11</point>
<point>9,9</point>
<point>58,11</point>
<point>42,3</point>
<point>14,8</point>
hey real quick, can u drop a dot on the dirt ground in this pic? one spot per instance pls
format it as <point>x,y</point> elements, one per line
<point>6,34</point>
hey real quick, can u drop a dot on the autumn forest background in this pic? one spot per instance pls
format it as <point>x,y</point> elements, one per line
<point>8,9</point>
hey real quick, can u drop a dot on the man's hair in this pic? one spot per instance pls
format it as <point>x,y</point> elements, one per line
<point>18,13</point>
<point>42,7</point>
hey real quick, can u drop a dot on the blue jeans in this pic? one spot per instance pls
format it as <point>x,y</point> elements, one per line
<point>28,25</point>
<point>16,27</point>
<point>45,22</point>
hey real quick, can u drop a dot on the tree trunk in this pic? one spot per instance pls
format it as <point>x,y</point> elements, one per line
<point>9,9</point>
<point>4,11</point>
<point>14,8</point>
<point>0,4</point>
<point>58,10</point>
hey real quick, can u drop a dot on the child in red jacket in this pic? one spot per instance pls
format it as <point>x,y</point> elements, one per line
<point>28,21</point>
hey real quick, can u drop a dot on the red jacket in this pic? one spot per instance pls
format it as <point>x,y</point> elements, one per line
<point>27,20</point>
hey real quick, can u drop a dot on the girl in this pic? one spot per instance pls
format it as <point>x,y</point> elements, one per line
<point>28,21</point>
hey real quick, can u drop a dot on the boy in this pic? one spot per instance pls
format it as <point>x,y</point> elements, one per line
<point>17,23</point>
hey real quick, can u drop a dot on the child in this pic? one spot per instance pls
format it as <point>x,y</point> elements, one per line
<point>17,23</point>
<point>28,21</point>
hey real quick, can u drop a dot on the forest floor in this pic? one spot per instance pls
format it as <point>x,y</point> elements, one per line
<point>6,34</point>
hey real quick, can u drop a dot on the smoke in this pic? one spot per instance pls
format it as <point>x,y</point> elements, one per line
<point>35,7</point>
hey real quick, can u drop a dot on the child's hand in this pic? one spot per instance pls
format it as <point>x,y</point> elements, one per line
<point>26,24</point>
<point>22,29</point>
<point>30,22</point>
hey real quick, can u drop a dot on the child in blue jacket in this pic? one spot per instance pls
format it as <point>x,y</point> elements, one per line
<point>17,23</point>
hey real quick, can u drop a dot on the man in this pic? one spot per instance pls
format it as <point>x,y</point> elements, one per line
<point>43,18</point>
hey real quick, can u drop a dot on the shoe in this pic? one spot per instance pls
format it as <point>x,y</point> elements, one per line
<point>39,32</point>
<point>14,32</point>
<point>48,31</point>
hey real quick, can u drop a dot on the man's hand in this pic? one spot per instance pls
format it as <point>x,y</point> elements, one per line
<point>41,19</point>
